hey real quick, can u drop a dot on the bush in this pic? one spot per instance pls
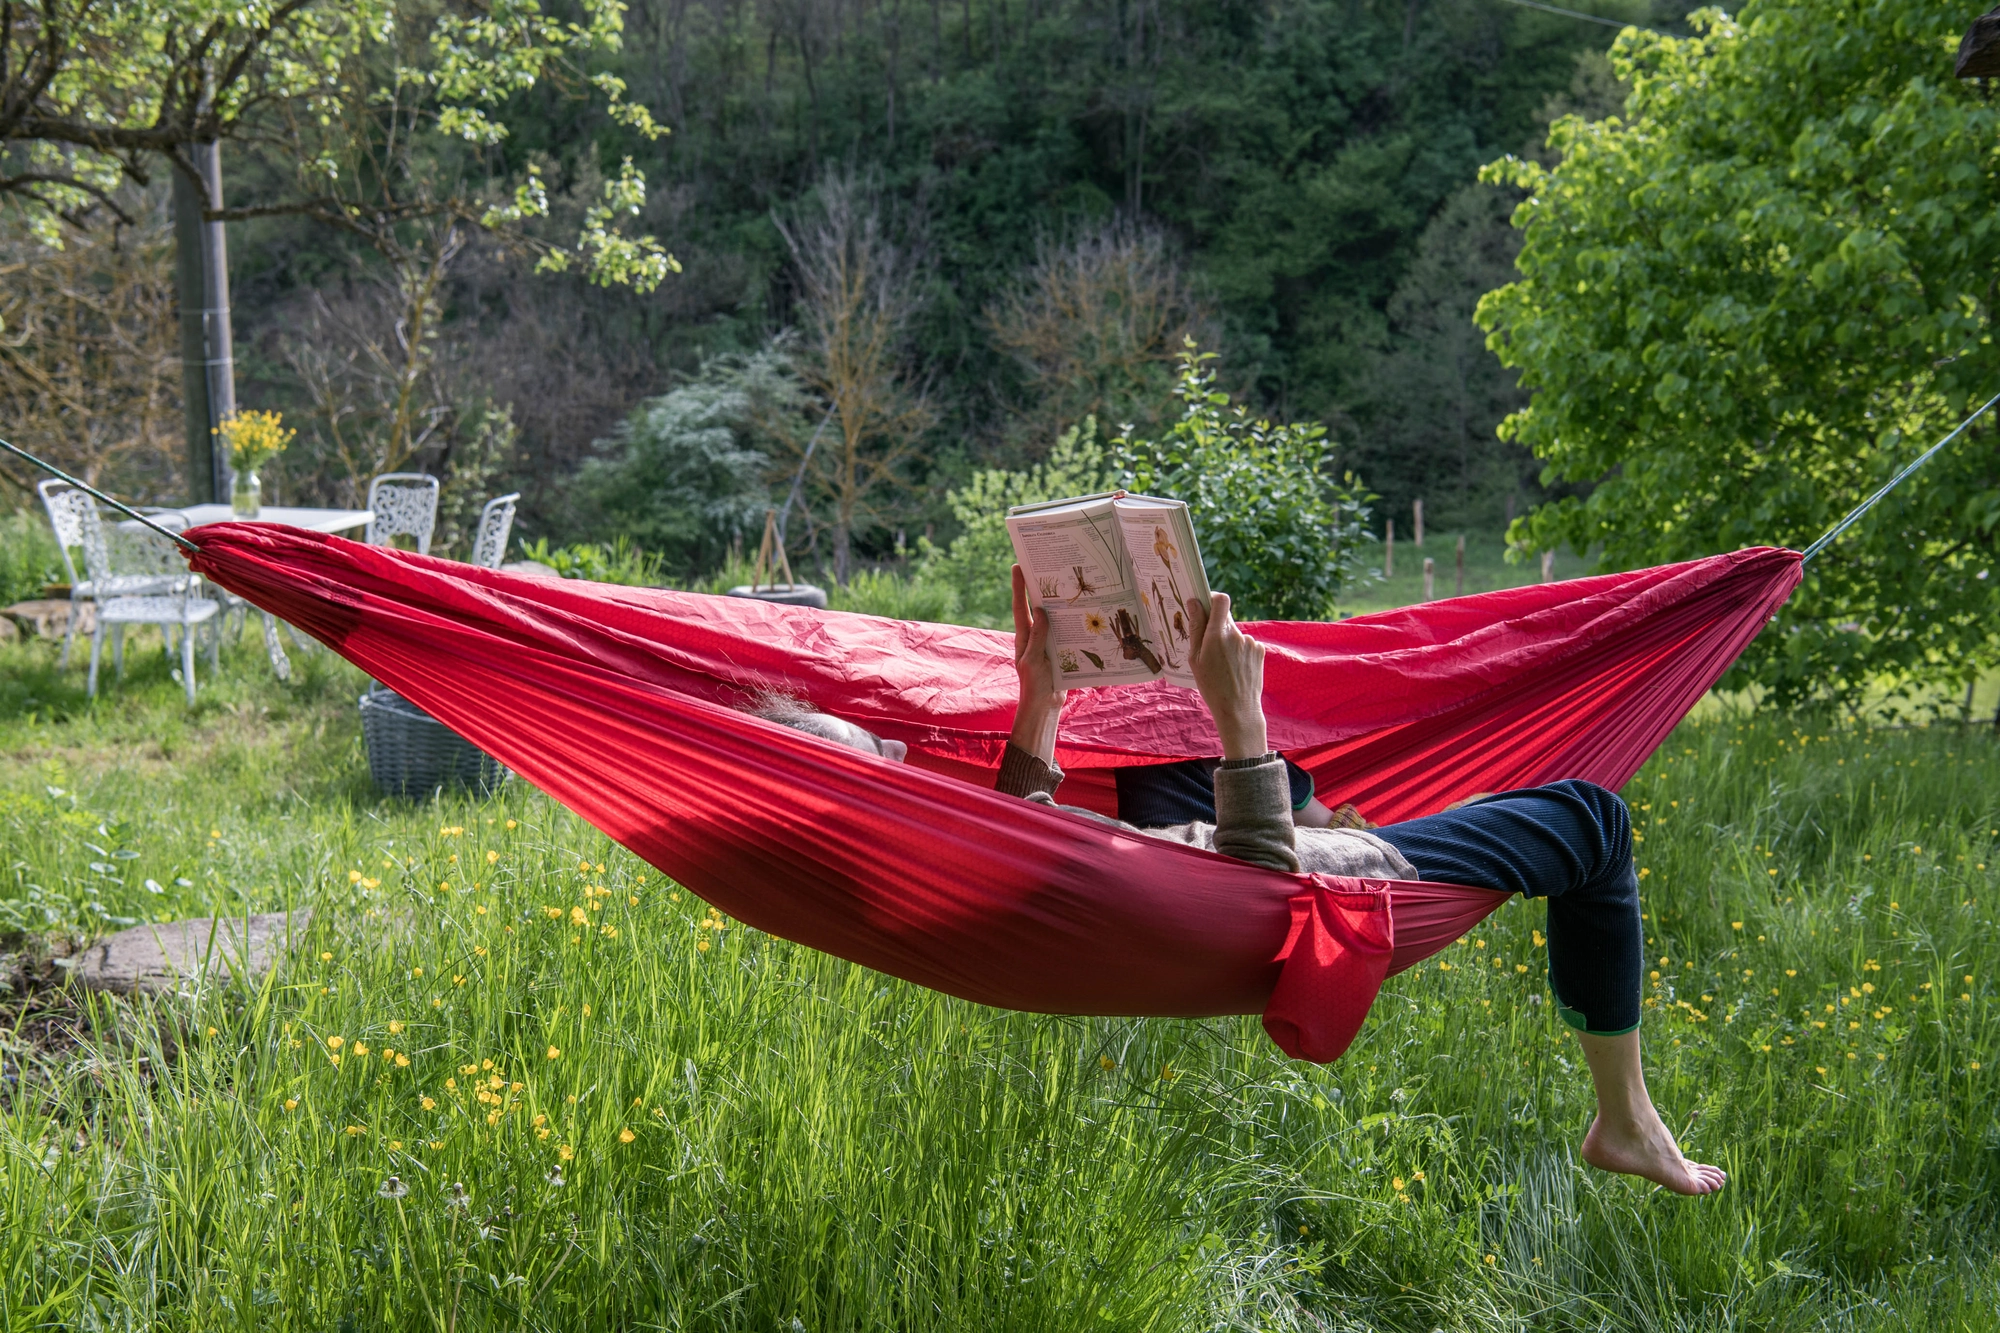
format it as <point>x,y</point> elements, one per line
<point>883,592</point>
<point>977,565</point>
<point>29,559</point>
<point>684,474</point>
<point>1277,533</point>
<point>622,561</point>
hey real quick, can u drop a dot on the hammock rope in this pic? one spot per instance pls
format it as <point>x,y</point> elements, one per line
<point>92,491</point>
<point>1854,515</point>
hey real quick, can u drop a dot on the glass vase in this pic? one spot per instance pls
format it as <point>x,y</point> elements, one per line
<point>246,494</point>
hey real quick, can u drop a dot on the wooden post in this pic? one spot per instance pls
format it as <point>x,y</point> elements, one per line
<point>1548,566</point>
<point>1389,552</point>
<point>1418,508</point>
<point>1510,509</point>
<point>1430,578</point>
<point>1461,564</point>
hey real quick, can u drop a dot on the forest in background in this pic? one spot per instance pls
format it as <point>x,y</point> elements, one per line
<point>964,225</point>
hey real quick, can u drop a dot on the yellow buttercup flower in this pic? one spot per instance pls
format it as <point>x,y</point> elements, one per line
<point>554,1053</point>
<point>626,1136</point>
<point>395,1026</point>
<point>335,1043</point>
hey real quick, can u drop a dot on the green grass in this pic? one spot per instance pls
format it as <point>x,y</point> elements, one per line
<point>816,1147</point>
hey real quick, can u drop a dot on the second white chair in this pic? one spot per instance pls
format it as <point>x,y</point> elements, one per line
<point>405,504</point>
<point>496,524</point>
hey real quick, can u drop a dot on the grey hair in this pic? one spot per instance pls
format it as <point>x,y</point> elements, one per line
<point>788,710</point>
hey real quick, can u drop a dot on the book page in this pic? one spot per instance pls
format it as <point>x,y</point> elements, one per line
<point>1166,572</point>
<point>1077,575</point>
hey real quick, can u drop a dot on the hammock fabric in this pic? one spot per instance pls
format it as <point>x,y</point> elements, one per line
<point>622,704</point>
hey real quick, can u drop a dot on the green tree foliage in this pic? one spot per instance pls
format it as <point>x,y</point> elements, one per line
<point>1277,533</point>
<point>684,475</point>
<point>372,116</point>
<point>1751,299</point>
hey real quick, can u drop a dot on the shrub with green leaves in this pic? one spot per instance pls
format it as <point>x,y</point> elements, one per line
<point>1278,534</point>
<point>29,559</point>
<point>977,565</point>
<point>685,473</point>
<point>619,561</point>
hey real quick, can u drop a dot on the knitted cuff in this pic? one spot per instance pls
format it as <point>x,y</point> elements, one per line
<point>1024,774</point>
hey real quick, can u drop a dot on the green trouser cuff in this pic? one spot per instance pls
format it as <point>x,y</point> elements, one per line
<point>1576,1020</point>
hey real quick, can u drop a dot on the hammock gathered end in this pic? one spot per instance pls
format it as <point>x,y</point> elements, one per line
<point>623,704</point>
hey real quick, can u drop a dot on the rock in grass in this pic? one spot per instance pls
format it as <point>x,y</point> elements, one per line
<point>7,631</point>
<point>157,958</point>
<point>48,617</point>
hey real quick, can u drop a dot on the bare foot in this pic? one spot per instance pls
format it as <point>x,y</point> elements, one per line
<point>1644,1148</point>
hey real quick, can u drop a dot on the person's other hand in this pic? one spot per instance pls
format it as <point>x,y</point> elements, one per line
<point>1041,699</point>
<point>1228,669</point>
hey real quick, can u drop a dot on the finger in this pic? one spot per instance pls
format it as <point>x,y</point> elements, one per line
<point>1218,616</point>
<point>1021,618</point>
<point>1197,615</point>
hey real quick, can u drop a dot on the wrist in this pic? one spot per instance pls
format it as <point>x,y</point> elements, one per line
<point>1035,724</point>
<point>1243,737</point>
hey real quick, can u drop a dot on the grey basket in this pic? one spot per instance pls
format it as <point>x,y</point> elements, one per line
<point>411,754</point>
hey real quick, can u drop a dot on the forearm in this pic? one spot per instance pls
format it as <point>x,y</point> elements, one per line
<point>1035,722</point>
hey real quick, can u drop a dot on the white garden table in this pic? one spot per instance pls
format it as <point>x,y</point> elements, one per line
<point>312,520</point>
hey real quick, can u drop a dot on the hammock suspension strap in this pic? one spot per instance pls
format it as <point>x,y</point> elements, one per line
<point>88,489</point>
<point>1893,483</point>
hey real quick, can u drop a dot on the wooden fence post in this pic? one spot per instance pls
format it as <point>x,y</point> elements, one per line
<point>1430,577</point>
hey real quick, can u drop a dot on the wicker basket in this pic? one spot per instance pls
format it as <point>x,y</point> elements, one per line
<point>412,755</point>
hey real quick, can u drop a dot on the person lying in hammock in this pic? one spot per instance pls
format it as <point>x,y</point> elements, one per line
<point>1569,842</point>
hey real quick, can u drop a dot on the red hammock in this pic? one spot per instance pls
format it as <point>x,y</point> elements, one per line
<point>620,703</point>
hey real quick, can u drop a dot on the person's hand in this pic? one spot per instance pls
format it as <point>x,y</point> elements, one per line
<point>1041,700</point>
<point>1228,669</point>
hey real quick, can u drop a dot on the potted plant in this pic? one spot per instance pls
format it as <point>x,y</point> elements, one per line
<point>253,439</point>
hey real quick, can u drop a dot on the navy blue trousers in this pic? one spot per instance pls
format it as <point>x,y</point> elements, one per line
<point>1571,843</point>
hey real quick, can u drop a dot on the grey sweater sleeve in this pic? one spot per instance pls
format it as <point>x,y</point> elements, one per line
<point>1253,813</point>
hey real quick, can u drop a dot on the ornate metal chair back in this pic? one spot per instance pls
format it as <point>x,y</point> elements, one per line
<point>404,504</point>
<point>496,524</point>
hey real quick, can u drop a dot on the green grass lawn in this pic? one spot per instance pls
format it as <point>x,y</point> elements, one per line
<point>517,1081</point>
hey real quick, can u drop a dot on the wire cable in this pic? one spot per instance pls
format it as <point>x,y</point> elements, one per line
<point>1589,18</point>
<point>88,489</point>
<point>1894,482</point>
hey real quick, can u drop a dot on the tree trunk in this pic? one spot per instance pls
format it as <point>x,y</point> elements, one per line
<point>208,368</point>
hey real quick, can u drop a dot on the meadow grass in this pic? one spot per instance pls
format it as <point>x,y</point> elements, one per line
<point>515,1080</point>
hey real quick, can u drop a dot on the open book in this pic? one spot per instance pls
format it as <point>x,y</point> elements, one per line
<point>1113,573</point>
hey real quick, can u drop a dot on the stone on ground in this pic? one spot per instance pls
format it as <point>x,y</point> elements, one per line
<point>154,959</point>
<point>47,617</point>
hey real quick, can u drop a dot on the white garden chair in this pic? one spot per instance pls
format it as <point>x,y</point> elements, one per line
<point>496,524</point>
<point>405,504</point>
<point>114,568</point>
<point>173,602</point>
